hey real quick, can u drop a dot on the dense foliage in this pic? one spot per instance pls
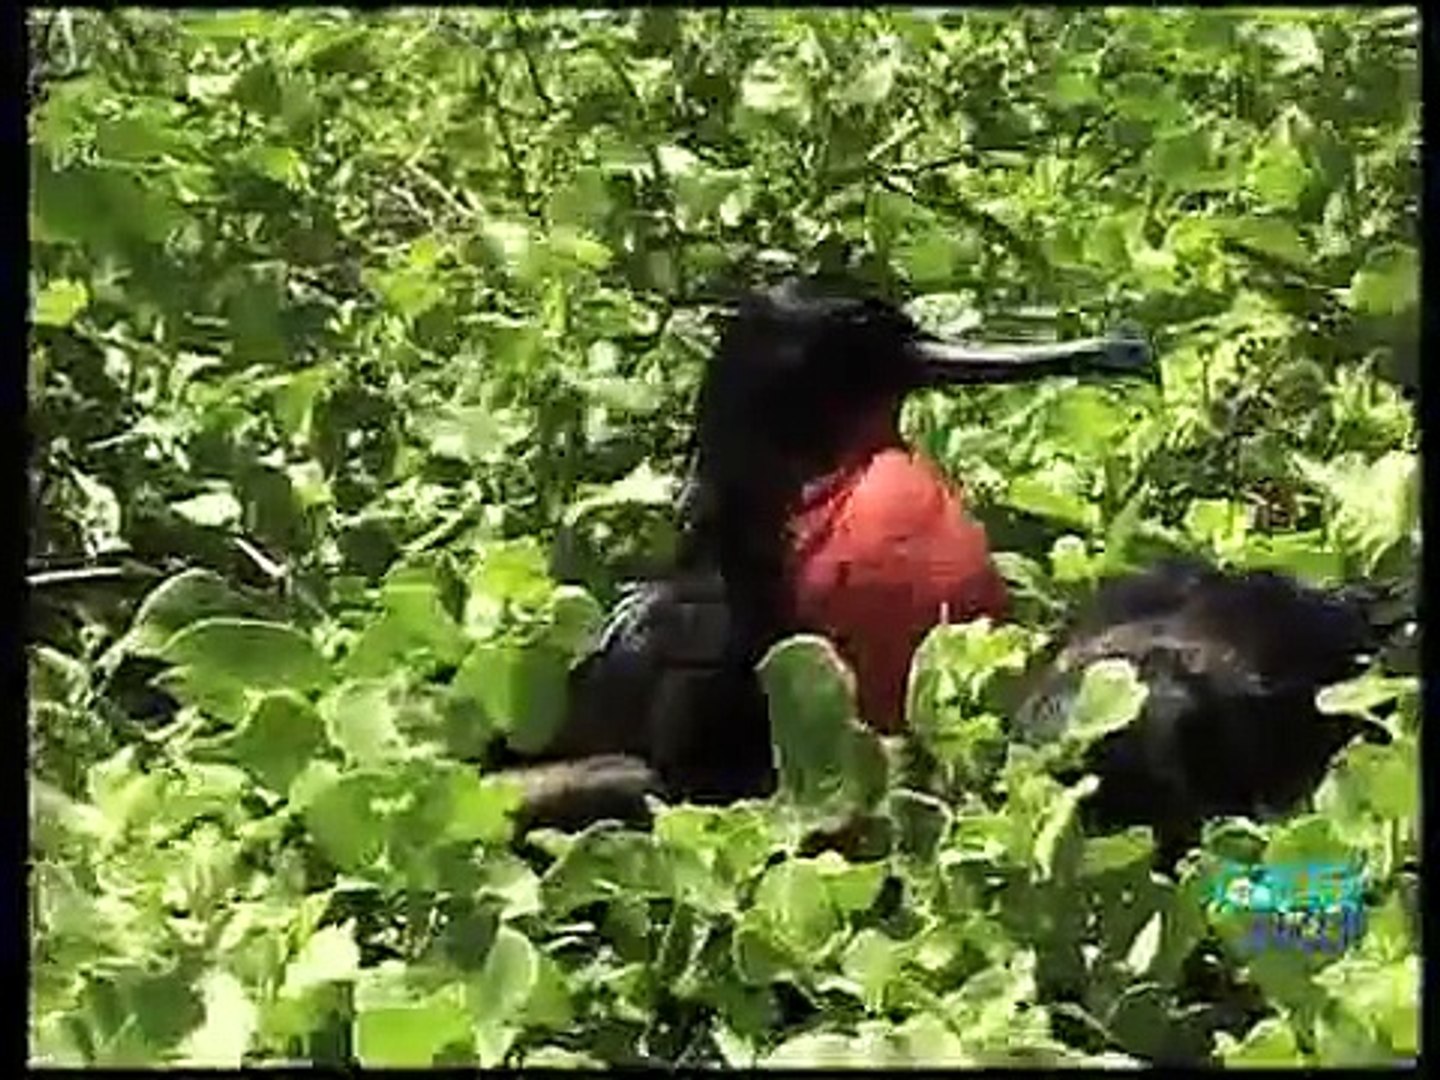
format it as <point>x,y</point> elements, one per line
<point>355,334</point>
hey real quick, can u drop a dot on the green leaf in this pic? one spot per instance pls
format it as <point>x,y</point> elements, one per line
<point>578,619</point>
<point>282,164</point>
<point>922,821</point>
<point>1278,173</point>
<point>1183,160</point>
<point>460,805</point>
<point>499,994</point>
<point>931,260</point>
<point>398,1026</point>
<point>282,734</point>
<point>1071,561</point>
<point>59,302</point>
<point>1059,833</point>
<point>231,1019</point>
<point>1296,45</point>
<point>603,863</point>
<point>175,603</point>
<point>347,820</point>
<point>1110,697</point>
<point>223,653</point>
<point>521,688</point>
<point>1388,283</point>
<point>1381,781</point>
<point>506,573</point>
<point>1364,694</point>
<point>360,719</point>
<point>328,955</point>
<point>1057,491</point>
<point>768,89</point>
<point>875,82</point>
<point>873,961</point>
<point>793,898</point>
<point>642,486</point>
<point>1219,524</point>
<point>1269,1044</point>
<point>1272,236</point>
<point>469,434</point>
<point>1375,505</point>
<point>415,623</point>
<point>213,509</point>
<point>827,759</point>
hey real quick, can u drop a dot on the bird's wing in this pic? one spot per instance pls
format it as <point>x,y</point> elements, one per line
<point>669,682</point>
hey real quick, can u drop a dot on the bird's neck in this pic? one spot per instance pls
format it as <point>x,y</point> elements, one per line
<point>872,433</point>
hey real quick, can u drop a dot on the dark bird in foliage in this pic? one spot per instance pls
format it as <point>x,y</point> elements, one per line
<point>1233,662</point>
<point>803,511</point>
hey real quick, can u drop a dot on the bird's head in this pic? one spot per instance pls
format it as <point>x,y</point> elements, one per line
<point>805,370</point>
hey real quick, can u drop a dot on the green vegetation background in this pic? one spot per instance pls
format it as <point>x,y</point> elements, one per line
<point>352,332</point>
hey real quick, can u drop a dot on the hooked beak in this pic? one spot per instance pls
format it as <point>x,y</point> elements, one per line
<point>946,363</point>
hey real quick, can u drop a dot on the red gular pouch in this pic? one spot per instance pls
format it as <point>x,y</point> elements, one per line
<point>880,551</point>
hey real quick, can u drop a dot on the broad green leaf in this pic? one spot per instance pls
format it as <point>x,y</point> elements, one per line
<point>521,688</point>
<point>642,486</point>
<point>922,822</point>
<point>59,302</point>
<point>348,818</point>
<point>1134,847</point>
<point>360,719</point>
<point>578,619</point>
<point>505,573</point>
<point>1296,45</point>
<point>415,621</point>
<point>1278,173</point>
<point>282,164</point>
<point>1221,525</point>
<point>231,1019</point>
<point>214,509</point>
<point>827,759</point>
<point>460,805</point>
<point>1388,283</point>
<point>1272,236</point>
<point>768,89</point>
<point>872,960</point>
<point>1056,491</point>
<point>1059,833</point>
<point>1269,1044</point>
<point>399,1026</point>
<point>1383,781</point>
<point>603,863</point>
<point>1111,695</point>
<point>499,994</point>
<point>471,434</point>
<point>1375,505</point>
<point>328,955</point>
<point>794,897</point>
<point>1071,561</point>
<point>247,652</point>
<point>931,260</point>
<point>278,740</point>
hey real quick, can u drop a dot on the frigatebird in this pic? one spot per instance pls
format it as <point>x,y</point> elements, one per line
<point>1230,726</point>
<point>804,510</point>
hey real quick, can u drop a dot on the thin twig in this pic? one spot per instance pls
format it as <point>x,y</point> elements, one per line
<point>535,82</point>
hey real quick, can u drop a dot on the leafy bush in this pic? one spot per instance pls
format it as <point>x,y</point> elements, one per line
<point>355,333</point>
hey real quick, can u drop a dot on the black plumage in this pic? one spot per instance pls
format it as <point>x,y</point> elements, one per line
<point>1233,662</point>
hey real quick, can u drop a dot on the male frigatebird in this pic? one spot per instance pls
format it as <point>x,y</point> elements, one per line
<point>804,511</point>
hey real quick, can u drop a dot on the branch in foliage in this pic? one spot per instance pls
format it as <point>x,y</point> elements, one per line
<point>90,575</point>
<point>535,82</point>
